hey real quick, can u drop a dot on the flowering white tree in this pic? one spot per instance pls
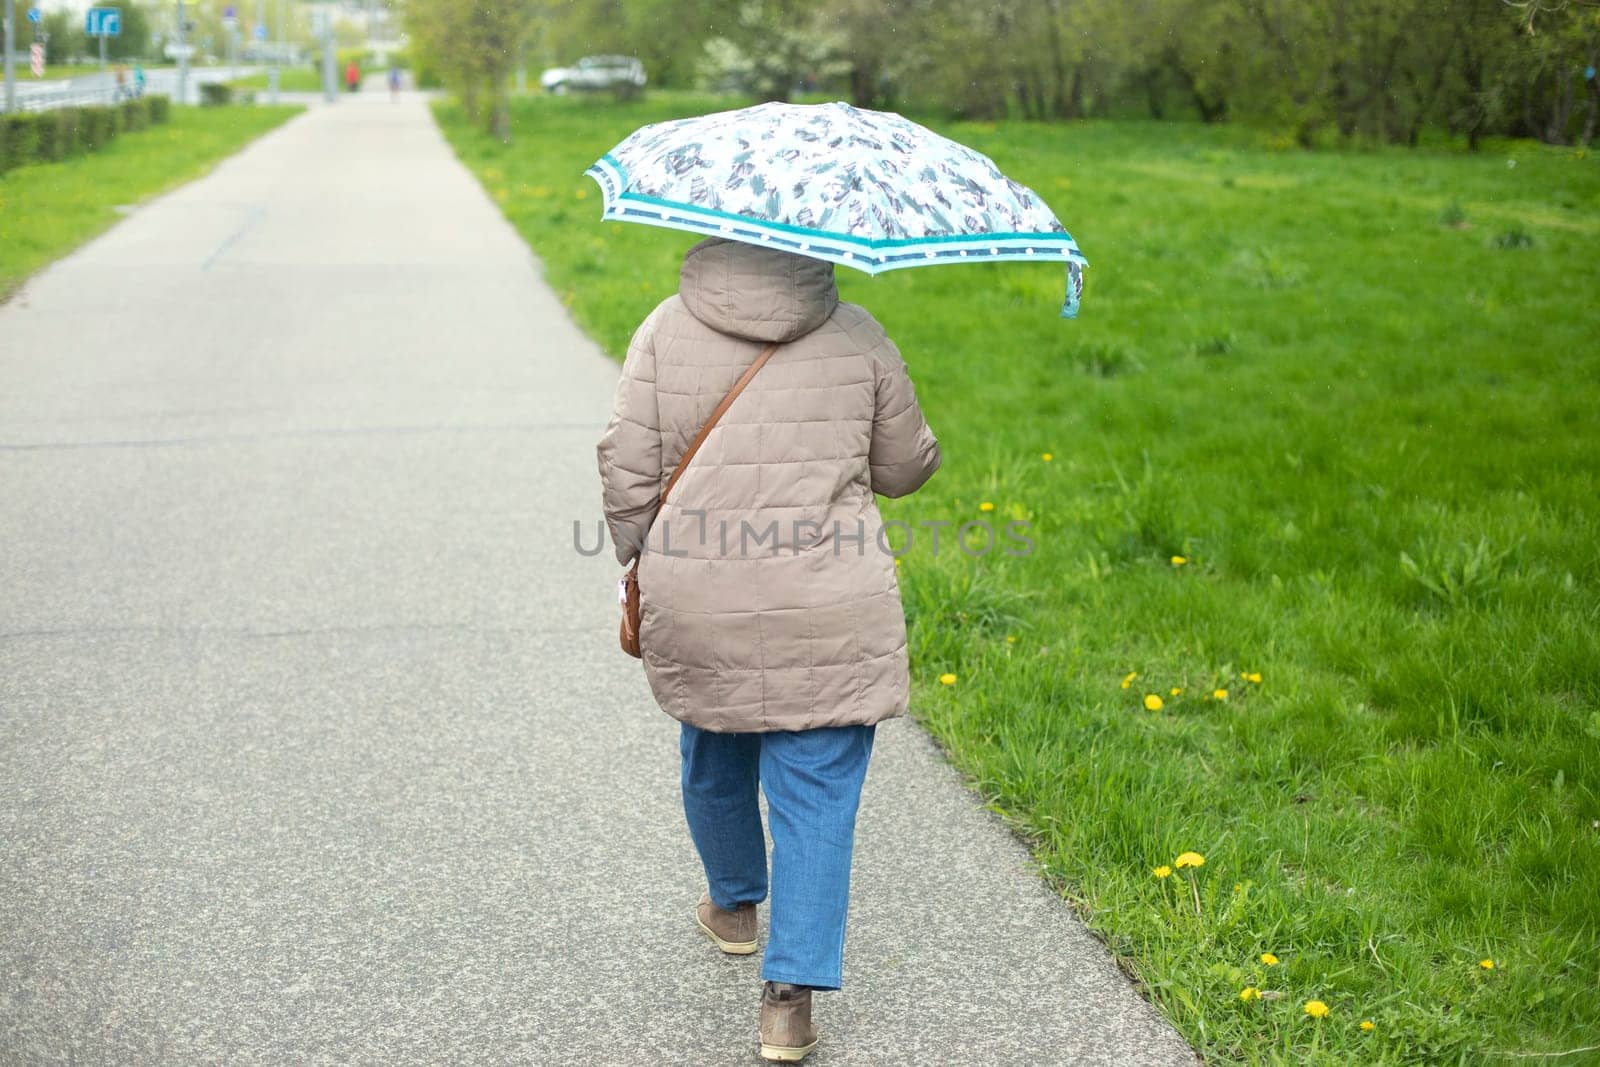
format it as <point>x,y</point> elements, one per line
<point>772,46</point>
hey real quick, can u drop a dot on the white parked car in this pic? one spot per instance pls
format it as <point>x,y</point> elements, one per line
<point>623,75</point>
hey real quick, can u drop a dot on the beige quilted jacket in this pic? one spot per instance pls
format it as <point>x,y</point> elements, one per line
<point>768,602</point>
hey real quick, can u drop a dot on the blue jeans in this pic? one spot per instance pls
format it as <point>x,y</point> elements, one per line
<point>812,779</point>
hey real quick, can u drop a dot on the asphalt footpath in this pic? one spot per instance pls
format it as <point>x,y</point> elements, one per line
<point>316,746</point>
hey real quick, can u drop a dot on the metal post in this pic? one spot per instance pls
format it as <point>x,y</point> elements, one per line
<point>183,59</point>
<point>277,58</point>
<point>102,51</point>
<point>330,89</point>
<point>11,66</point>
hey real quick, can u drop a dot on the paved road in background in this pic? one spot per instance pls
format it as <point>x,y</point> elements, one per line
<point>100,87</point>
<point>315,742</point>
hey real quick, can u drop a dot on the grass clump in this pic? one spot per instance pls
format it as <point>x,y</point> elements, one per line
<point>1517,236</point>
<point>48,209</point>
<point>1313,588</point>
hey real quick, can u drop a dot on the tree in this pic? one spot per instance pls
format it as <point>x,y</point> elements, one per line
<point>134,40</point>
<point>1308,69</point>
<point>64,39</point>
<point>475,46</point>
<point>768,47</point>
<point>667,36</point>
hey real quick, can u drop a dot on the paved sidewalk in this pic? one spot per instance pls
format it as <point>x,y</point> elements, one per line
<point>315,743</point>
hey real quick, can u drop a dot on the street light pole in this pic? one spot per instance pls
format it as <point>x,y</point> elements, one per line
<point>11,66</point>
<point>329,91</point>
<point>272,69</point>
<point>183,57</point>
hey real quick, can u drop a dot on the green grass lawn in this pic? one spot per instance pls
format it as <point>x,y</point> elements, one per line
<point>290,80</point>
<point>1357,394</point>
<point>48,209</point>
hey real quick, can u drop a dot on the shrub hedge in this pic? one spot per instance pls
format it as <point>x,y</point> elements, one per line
<point>135,115</point>
<point>96,127</point>
<point>50,136</point>
<point>19,140</point>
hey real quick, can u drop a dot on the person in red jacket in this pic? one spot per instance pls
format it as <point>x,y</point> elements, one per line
<point>352,76</point>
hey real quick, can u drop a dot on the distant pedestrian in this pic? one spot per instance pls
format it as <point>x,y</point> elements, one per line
<point>352,76</point>
<point>394,83</point>
<point>138,78</point>
<point>779,657</point>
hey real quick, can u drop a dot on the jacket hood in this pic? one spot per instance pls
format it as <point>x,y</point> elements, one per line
<point>757,293</point>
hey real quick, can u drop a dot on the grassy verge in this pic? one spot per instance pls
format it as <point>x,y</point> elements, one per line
<point>290,80</point>
<point>1312,485</point>
<point>47,210</point>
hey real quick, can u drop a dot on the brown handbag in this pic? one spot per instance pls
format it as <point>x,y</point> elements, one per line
<point>628,635</point>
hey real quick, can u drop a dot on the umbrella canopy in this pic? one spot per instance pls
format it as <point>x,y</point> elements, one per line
<point>868,189</point>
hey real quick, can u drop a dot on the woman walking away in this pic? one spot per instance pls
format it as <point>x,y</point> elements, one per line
<point>771,619</point>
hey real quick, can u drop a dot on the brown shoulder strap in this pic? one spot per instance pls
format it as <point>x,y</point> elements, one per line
<point>721,409</point>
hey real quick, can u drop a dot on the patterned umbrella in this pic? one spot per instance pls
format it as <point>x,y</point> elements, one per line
<point>868,189</point>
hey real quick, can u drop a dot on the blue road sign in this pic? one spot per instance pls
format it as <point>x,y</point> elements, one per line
<point>261,31</point>
<point>102,22</point>
<point>34,14</point>
<point>229,12</point>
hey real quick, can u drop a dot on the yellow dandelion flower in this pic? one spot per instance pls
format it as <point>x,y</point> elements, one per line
<point>986,506</point>
<point>1269,959</point>
<point>1189,859</point>
<point>1316,1009</point>
<point>1249,993</point>
<point>1253,677</point>
<point>1177,690</point>
<point>1162,871</point>
<point>1047,457</point>
<point>582,194</point>
<point>1178,561</point>
<point>1152,702</point>
<point>1011,639</point>
<point>1128,679</point>
<point>1367,1024</point>
<point>1487,965</point>
<point>1219,694</point>
<point>947,679</point>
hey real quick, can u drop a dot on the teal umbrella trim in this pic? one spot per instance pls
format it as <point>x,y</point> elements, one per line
<point>612,179</point>
<point>845,249</point>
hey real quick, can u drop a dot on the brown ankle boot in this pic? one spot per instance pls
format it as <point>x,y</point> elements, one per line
<point>787,1033</point>
<point>733,931</point>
